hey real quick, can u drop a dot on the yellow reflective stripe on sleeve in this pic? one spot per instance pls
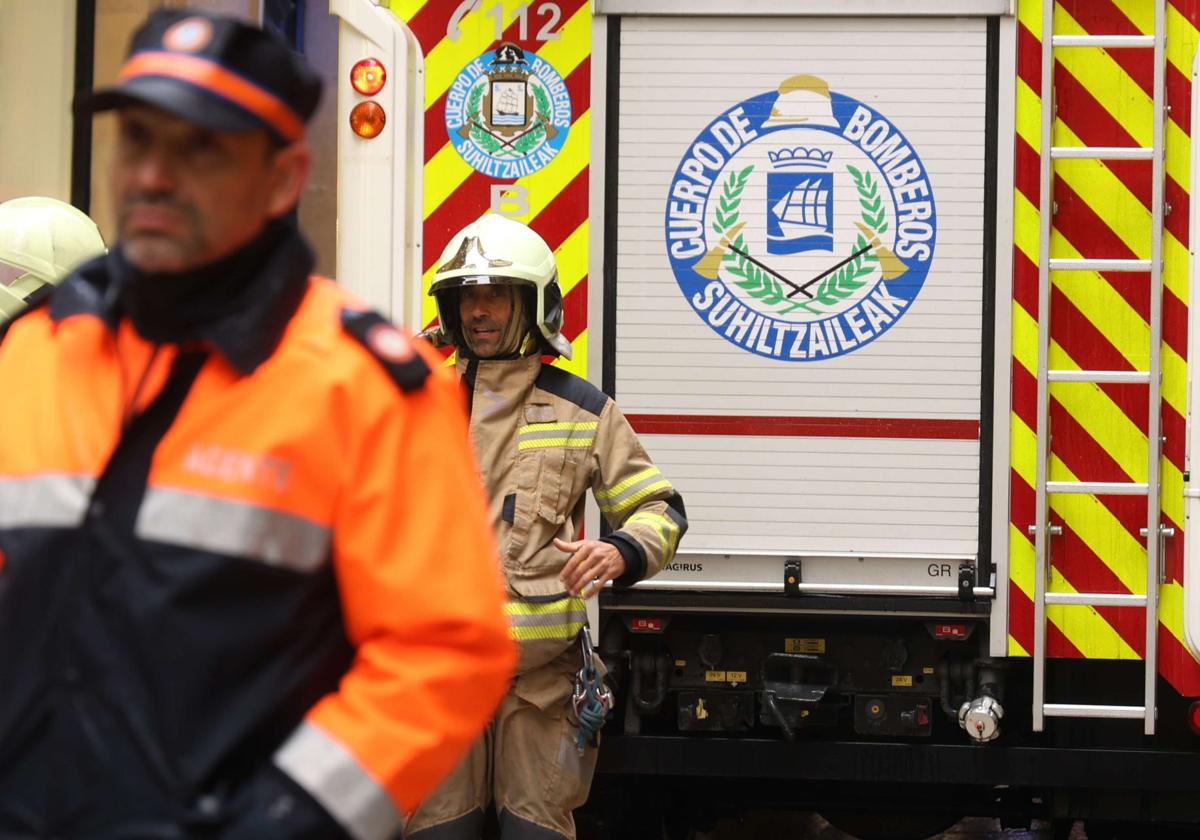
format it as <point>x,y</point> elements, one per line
<point>617,489</point>
<point>578,435</point>
<point>667,530</point>
<point>626,494</point>
<point>632,499</point>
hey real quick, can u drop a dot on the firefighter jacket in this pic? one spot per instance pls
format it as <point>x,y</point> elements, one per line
<point>543,437</point>
<point>238,577</point>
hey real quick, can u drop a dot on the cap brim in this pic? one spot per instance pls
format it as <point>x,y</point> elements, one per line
<point>174,96</point>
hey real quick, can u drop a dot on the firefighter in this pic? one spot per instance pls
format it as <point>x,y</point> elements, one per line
<point>248,584</point>
<point>543,437</point>
<point>41,240</point>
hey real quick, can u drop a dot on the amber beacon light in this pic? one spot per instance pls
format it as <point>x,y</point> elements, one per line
<point>368,76</point>
<point>367,119</point>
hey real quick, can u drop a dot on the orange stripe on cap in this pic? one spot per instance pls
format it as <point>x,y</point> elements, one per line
<point>207,74</point>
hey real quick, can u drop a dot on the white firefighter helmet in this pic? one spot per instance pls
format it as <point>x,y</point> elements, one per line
<point>497,250</point>
<point>41,241</point>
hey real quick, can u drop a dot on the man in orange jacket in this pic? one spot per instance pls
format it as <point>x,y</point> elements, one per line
<point>247,582</point>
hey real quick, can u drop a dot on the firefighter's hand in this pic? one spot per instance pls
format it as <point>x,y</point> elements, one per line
<point>592,564</point>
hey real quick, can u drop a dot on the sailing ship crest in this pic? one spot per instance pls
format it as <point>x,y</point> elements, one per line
<point>799,201</point>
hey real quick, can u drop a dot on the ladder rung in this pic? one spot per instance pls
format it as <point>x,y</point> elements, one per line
<point>1098,488</point>
<point>1095,599</point>
<point>1102,152</point>
<point>1133,377</point>
<point>1099,265</point>
<point>1082,710</point>
<point>1102,40</point>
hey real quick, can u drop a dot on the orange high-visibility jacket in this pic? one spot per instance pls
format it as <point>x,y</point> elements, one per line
<point>262,554</point>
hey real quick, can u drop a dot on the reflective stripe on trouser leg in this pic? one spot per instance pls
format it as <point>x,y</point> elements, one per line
<point>544,628</point>
<point>466,791</point>
<point>540,775</point>
<point>561,619</point>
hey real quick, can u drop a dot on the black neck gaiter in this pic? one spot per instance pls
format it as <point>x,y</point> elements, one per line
<point>173,307</point>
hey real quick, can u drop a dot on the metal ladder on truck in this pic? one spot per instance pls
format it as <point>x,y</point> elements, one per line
<point>1043,530</point>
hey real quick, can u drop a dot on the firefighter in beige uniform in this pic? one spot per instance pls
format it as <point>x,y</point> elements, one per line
<point>543,437</point>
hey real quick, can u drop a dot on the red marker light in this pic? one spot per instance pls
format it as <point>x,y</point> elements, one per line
<point>367,76</point>
<point>367,119</point>
<point>1194,716</point>
<point>949,631</point>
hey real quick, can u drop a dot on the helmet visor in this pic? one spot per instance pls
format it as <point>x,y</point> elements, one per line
<point>476,280</point>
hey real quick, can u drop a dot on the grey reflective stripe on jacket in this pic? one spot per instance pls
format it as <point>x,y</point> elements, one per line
<point>44,501</point>
<point>238,529</point>
<point>326,769</point>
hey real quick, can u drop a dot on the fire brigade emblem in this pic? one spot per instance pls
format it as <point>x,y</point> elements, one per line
<point>800,224</point>
<point>508,112</point>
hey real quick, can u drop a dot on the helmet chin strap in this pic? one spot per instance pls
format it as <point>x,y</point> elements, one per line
<point>517,326</point>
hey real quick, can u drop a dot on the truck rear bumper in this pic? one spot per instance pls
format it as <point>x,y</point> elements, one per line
<point>993,765</point>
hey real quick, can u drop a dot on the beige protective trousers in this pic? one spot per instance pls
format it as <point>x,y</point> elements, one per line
<point>526,762</point>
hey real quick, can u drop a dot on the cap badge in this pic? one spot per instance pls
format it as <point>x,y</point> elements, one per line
<point>188,35</point>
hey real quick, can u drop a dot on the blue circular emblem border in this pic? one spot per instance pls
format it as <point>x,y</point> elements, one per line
<point>535,159</point>
<point>755,112</point>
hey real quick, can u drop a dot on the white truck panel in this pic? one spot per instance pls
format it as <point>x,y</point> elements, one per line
<point>808,494</point>
<point>913,500</point>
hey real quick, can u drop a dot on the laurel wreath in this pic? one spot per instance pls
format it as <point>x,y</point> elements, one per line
<point>541,104</point>
<point>764,288</point>
<point>489,143</point>
<point>481,137</point>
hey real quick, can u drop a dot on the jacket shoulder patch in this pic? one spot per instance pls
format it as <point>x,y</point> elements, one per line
<point>391,348</point>
<point>572,389</point>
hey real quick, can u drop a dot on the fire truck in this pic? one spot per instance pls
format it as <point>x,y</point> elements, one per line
<point>896,294</point>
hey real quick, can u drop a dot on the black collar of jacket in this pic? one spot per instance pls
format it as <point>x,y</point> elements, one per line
<point>240,304</point>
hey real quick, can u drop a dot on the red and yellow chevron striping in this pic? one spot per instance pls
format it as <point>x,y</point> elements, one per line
<point>1099,321</point>
<point>457,190</point>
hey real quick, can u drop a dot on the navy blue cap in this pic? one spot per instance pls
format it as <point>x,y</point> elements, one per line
<point>216,71</point>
